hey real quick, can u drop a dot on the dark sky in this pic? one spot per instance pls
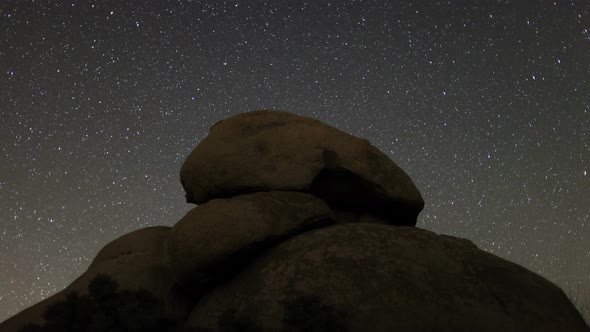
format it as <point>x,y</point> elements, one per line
<point>485,104</point>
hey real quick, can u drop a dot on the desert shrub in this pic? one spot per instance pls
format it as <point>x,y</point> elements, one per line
<point>102,288</point>
<point>230,321</point>
<point>106,309</point>
<point>305,313</point>
<point>31,328</point>
<point>308,313</point>
<point>72,314</point>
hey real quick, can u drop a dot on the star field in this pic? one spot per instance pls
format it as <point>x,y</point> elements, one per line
<point>485,104</point>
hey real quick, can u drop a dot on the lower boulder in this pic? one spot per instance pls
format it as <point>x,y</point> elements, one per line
<point>214,240</point>
<point>372,277</point>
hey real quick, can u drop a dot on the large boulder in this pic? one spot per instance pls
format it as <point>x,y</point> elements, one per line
<point>371,277</point>
<point>215,239</point>
<point>275,150</point>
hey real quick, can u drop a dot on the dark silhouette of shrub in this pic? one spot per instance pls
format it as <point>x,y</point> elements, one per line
<point>72,314</point>
<point>31,328</point>
<point>230,321</point>
<point>302,314</point>
<point>107,309</point>
<point>308,313</point>
<point>102,288</point>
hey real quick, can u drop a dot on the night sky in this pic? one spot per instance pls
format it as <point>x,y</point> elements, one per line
<point>485,104</point>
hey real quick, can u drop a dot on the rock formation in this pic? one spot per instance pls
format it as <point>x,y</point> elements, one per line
<point>302,227</point>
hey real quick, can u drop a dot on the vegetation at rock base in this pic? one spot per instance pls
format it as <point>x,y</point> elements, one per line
<point>105,308</point>
<point>306,313</point>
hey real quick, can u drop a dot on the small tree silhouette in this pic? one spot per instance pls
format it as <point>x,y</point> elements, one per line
<point>102,288</point>
<point>31,328</point>
<point>72,314</point>
<point>106,309</point>
<point>230,321</point>
<point>301,314</point>
<point>308,313</point>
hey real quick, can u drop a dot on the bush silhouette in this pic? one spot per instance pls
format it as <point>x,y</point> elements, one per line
<point>102,288</point>
<point>106,309</point>
<point>229,321</point>
<point>305,313</point>
<point>308,313</point>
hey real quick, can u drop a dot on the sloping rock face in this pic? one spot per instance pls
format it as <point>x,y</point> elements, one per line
<point>301,227</point>
<point>136,261</point>
<point>274,150</point>
<point>368,277</point>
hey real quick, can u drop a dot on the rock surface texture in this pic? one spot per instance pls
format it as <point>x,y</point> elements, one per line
<point>383,278</point>
<point>302,227</point>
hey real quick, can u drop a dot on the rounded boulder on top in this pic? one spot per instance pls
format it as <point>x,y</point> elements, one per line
<point>275,150</point>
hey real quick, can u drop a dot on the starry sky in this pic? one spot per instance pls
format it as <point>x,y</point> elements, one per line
<point>485,104</point>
